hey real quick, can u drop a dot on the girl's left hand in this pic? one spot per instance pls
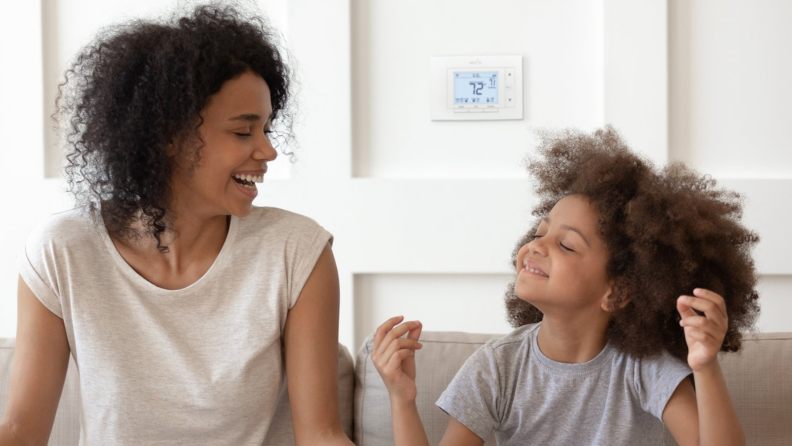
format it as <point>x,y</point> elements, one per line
<point>703,334</point>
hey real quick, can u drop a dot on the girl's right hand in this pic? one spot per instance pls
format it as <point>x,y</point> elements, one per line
<point>394,357</point>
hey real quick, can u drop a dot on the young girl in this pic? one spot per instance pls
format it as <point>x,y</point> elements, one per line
<point>620,257</point>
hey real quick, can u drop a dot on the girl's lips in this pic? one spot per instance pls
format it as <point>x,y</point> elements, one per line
<point>530,267</point>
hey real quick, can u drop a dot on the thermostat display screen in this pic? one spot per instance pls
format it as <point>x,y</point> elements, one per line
<point>472,87</point>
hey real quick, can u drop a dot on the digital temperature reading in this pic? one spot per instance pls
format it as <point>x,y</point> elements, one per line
<point>471,87</point>
<point>476,88</point>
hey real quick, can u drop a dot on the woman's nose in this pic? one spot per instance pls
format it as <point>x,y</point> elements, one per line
<point>265,151</point>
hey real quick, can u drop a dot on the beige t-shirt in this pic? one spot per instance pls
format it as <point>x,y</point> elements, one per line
<point>197,366</point>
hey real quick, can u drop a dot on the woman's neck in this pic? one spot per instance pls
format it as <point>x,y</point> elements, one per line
<point>573,340</point>
<point>193,243</point>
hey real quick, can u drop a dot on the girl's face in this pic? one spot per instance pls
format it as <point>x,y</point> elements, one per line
<point>563,267</point>
<point>235,151</point>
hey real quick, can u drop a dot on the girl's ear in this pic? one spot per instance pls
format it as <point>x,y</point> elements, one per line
<point>615,298</point>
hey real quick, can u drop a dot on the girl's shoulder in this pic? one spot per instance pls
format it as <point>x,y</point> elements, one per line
<point>509,349</point>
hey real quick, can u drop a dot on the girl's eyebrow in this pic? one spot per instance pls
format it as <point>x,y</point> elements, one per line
<point>571,228</point>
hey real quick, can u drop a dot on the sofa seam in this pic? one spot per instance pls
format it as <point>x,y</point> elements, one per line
<point>363,397</point>
<point>452,342</point>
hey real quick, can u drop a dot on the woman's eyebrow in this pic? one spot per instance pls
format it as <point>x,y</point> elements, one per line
<point>570,228</point>
<point>248,117</point>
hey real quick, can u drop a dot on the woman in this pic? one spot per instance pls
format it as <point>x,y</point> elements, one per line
<point>180,302</point>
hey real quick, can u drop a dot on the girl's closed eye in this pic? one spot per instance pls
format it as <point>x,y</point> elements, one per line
<point>565,248</point>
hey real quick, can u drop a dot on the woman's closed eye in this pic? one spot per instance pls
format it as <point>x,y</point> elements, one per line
<point>266,132</point>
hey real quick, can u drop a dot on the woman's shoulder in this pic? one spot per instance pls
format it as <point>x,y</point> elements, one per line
<point>74,226</point>
<point>279,220</point>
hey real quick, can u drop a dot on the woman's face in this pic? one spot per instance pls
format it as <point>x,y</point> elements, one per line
<point>563,267</point>
<point>235,151</point>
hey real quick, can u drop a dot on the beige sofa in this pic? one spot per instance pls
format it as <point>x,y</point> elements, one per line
<point>759,378</point>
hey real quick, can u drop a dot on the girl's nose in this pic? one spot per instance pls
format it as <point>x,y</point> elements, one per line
<point>537,246</point>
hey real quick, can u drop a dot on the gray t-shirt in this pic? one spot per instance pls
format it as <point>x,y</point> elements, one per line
<point>508,386</point>
<point>197,366</point>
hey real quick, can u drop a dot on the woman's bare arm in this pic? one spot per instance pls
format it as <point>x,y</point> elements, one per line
<point>41,357</point>
<point>311,344</point>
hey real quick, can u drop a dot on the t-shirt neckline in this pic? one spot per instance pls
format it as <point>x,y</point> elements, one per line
<point>150,287</point>
<point>570,368</point>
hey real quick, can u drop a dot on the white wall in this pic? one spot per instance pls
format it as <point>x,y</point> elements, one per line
<point>730,115</point>
<point>392,44</point>
<point>425,213</point>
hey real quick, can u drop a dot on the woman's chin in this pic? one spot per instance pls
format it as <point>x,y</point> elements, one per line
<point>241,210</point>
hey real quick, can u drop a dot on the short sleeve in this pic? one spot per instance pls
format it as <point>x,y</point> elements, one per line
<point>37,264</point>
<point>656,379</point>
<point>473,396</point>
<point>306,251</point>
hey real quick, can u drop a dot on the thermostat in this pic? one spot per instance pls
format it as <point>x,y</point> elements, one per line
<point>473,88</point>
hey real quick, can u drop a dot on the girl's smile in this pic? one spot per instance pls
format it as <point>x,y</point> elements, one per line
<point>563,267</point>
<point>530,267</point>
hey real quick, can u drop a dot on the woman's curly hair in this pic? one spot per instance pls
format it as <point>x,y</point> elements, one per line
<point>137,91</point>
<point>667,232</point>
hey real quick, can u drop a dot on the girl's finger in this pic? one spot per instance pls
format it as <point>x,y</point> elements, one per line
<point>697,335</point>
<point>713,297</point>
<point>707,307</point>
<point>398,332</point>
<point>400,344</point>
<point>396,360</point>
<point>394,333</point>
<point>383,329</point>
<point>707,326</point>
<point>415,332</point>
<point>694,321</point>
<point>683,308</point>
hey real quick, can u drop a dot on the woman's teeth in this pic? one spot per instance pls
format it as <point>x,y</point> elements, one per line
<point>249,178</point>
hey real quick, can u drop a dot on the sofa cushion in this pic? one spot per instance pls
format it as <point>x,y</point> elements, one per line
<point>66,430</point>
<point>758,378</point>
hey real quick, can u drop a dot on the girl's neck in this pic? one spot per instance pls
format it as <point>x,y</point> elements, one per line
<point>572,340</point>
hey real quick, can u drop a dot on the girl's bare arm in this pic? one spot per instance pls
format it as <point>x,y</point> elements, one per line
<point>394,358</point>
<point>705,416</point>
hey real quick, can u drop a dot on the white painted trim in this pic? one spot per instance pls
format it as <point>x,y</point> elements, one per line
<point>636,73</point>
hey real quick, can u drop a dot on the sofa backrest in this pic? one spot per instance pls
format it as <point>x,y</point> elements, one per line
<point>759,378</point>
<point>66,430</point>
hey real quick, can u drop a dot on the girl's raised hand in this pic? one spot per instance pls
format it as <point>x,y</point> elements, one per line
<point>394,356</point>
<point>703,334</point>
